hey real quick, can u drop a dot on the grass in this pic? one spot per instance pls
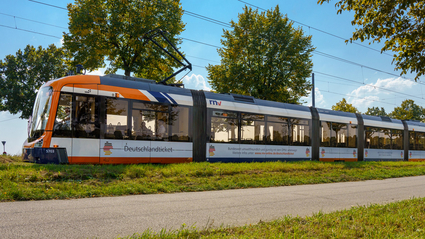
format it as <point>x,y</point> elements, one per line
<point>405,219</point>
<point>26,181</point>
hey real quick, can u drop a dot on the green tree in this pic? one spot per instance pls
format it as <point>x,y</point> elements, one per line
<point>265,57</point>
<point>22,75</point>
<point>344,106</point>
<point>408,111</point>
<point>117,31</point>
<point>375,111</point>
<point>399,22</point>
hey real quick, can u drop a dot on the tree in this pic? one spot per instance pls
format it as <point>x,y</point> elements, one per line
<point>22,75</point>
<point>399,22</point>
<point>408,111</point>
<point>344,106</point>
<point>118,31</point>
<point>375,111</point>
<point>265,57</point>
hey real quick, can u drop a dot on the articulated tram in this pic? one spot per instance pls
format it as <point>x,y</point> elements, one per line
<point>125,120</point>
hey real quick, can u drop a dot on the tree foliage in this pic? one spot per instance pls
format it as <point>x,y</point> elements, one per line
<point>23,74</point>
<point>375,111</point>
<point>118,31</point>
<point>345,107</point>
<point>399,22</point>
<point>265,57</point>
<point>408,111</point>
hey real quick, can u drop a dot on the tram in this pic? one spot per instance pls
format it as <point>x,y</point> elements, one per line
<point>114,119</point>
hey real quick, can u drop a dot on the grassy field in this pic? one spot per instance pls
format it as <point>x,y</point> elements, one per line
<point>404,219</point>
<point>26,181</point>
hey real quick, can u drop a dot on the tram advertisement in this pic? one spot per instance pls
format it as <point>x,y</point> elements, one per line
<point>217,150</point>
<point>132,148</point>
<point>383,154</point>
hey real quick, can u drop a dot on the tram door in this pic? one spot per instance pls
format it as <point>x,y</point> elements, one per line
<point>85,124</point>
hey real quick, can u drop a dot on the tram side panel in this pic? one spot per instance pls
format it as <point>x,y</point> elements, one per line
<point>155,131</point>
<point>384,139</point>
<point>338,132</point>
<point>416,141</point>
<point>246,132</point>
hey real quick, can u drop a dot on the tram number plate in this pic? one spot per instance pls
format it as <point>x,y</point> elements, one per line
<point>50,151</point>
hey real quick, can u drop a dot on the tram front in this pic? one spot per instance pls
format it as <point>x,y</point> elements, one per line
<point>40,127</point>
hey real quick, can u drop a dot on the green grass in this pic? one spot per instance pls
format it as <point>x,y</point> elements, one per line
<point>26,181</point>
<point>405,219</point>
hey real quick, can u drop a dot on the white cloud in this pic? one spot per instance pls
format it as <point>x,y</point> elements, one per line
<point>60,43</point>
<point>367,95</point>
<point>391,84</point>
<point>319,101</point>
<point>196,82</point>
<point>363,102</point>
<point>98,72</point>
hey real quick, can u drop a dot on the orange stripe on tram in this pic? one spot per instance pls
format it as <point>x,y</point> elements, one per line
<point>125,92</point>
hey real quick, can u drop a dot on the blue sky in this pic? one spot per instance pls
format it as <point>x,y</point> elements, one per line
<point>368,77</point>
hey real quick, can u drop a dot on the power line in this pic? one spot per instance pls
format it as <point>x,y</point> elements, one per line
<point>325,55</point>
<point>223,23</point>
<point>376,87</point>
<point>192,14</point>
<point>32,20</point>
<point>229,25</point>
<point>202,59</point>
<point>322,31</point>
<point>9,119</point>
<point>203,43</point>
<point>39,33</point>
<point>364,98</point>
<point>50,5</point>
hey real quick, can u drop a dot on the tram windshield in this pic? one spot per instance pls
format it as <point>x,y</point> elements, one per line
<point>40,113</point>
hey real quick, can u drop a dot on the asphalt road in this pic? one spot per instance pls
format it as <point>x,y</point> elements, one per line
<point>111,217</point>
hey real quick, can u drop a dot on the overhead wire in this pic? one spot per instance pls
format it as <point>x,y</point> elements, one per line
<point>228,25</point>
<point>26,19</point>
<point>364,98</point>
<point>25,30</point>
<point>319,30</point>
<point>376,87</point>
<point>9,119</point>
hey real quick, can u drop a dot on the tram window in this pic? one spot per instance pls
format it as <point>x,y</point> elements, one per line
<point>116,119</point>
<point>325,134</point>
<point>143,125</point>
<point>277,130</point>
<point>63,121</point>
<point>371,138</point>
<point>352,136</point>
<point>252,129</point>
<point>224,127</point>
<point>385,138</point>
<point>421,141</point>
<point>397,139</point>
<point>179,120</point>
<point>340,138</point>
<point>300,132</point>
<point>86,121</point>
<point>412,140</point>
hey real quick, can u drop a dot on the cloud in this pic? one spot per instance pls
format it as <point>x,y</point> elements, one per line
<point>98,72</point>
<point>366,95</point>
<point>385,86</point>
<point>320,100</point>
<point>196,82</point>
<point>60,43</point>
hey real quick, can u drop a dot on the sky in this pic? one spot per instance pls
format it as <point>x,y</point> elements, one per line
<point>357,72</point>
